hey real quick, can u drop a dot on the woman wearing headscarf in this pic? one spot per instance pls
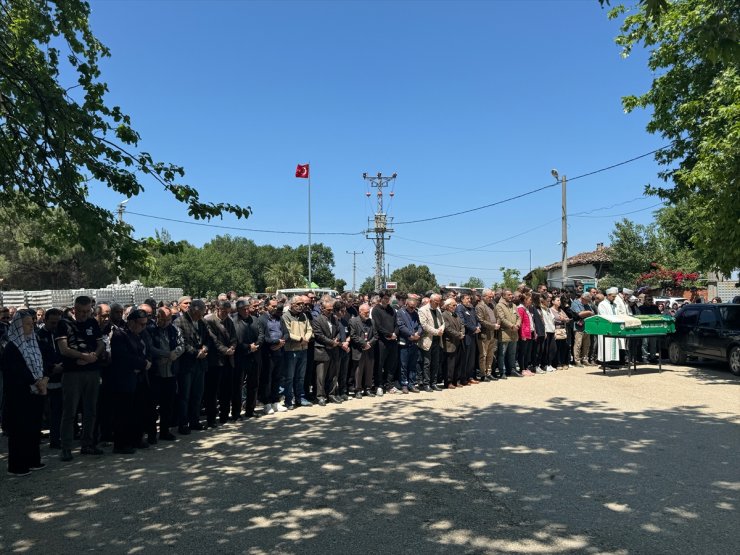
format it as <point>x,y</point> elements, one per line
<point>25,388</point>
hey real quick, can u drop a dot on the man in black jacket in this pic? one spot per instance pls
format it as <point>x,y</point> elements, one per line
<point>326,335</point>
<point>249,338</point>
<point>129,364</point>
<point>362,340</point>
<point>384,320</point>
<point>220,364</point>
<point>193,365</point>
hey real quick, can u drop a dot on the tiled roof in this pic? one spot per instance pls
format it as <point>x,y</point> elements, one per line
<point>599,256</point>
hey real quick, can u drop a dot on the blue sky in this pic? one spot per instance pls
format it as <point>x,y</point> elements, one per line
<point>469,102</point>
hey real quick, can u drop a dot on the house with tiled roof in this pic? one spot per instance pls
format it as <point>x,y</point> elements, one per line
<point>585,267</point>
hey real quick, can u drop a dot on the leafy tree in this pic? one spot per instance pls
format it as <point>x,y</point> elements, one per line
<point>636,249</point>
<point>55,140</point>
<point>368,286</point>
<point>38,253</point>
<point>695,103</point>
<point>284,275</point>
<point>537,276</point>
<point>340,285</point>
<point>414,279</point>
<point>510,279</point>
<point>474,283</point>
<point>322,260</point>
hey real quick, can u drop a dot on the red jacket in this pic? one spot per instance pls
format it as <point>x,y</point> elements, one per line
<point>525,331</point>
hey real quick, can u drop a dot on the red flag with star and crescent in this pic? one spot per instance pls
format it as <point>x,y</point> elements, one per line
<point>301,170</point>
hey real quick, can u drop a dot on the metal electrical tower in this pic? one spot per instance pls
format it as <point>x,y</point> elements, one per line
<point>378,227</point>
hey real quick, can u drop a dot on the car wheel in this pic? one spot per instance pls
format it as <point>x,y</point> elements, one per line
<point>734,360</point>
<point>676,354</point>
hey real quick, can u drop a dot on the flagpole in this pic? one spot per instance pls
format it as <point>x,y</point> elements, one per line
<point>310,276</point>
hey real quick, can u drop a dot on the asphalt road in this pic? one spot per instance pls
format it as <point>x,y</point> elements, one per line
<point>570,462</point>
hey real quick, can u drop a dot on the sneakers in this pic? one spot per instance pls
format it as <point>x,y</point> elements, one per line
<point>306,402</point>
<point>277,407</point>
<point>550,368</point>
<point>540,370</point>
<point>527,373</point>
<point>394,390</point>
<point>358,394</point>
<point>321,402</point>
<point>435,387</point>
<point>379,392</point>
<point>268,409</point>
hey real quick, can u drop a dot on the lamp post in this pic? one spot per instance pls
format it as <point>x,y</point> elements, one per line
<point>564,231</point>
<point>121,210</point>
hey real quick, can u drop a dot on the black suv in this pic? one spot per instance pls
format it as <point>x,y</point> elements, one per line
<point>710,331</point>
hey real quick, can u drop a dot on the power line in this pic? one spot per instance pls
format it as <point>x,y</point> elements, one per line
<point>623,213</point>
<point>203,224</point>
<point>449,265</point>
<point>522,195</point>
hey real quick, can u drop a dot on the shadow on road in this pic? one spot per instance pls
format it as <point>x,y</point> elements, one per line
<point>570,476</point>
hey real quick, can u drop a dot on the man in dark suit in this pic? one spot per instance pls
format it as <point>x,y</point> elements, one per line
<point>219,379</point>
<point>466,312</point>
<point>326,335</point>
<point>249,338</point>
<point>362,341</point>
<point>409,333</point>
<point>384,320</point>
<point>193,365</point>
<point>452,343</point>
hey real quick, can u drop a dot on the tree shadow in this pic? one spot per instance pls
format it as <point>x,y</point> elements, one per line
<point>570,476</point>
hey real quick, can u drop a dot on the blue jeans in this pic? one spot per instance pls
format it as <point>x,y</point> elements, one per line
<point>506,357</point>
<point>409,365</point>
<point>294,374</point>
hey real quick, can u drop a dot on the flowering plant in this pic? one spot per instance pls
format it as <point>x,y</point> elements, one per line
<point>661,276</point>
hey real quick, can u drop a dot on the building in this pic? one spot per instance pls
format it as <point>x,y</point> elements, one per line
<point>586,267</point>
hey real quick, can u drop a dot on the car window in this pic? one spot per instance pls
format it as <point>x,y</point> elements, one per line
<point>708,318</point>
<point>730,317</point>
<point>689,317</point>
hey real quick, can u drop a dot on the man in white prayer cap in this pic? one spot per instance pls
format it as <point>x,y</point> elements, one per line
<point>609,347</point>
<point>621,301</point>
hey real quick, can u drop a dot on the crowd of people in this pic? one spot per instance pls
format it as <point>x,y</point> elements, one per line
<point>131,376</point>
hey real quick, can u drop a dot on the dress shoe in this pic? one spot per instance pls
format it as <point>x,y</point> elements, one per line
<point>435,387</point>
<point>427,389</point>
<point>405,390</point>
<point>502,377</point>
<point>370,393</point>
<point>358,394</point>
<point>344,397</point>
<point>321,402</point>
<point>335,399</point>
<point>167,436</point>
<point>414,389</point>
<point>91,451</point>
<point>451,386</point>
<point>473,382</point>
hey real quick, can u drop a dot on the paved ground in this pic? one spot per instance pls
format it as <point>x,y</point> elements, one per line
<point>571,462</point>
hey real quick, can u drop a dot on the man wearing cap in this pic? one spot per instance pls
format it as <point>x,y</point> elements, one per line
<point>609,347</point>
<point>300,335</point>
<point>193,364</point>
<point>129,364</point>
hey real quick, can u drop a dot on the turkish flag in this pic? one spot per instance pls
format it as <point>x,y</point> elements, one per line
<point>301,170</point>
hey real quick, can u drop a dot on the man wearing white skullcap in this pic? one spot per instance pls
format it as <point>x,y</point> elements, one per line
<point>609,347</point>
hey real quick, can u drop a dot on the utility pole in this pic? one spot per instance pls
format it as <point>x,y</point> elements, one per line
<point>121,210</point>
<point>378,229</point>
<point>564,229</point>
<point>354,268</point>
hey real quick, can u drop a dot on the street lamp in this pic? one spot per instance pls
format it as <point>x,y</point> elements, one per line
<point>564,230</point>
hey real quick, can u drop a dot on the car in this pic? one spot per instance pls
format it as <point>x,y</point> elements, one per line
<point>709,331</point>
<point>670,301</point>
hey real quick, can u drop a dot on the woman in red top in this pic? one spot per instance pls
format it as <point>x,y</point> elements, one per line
<point>526,335</point>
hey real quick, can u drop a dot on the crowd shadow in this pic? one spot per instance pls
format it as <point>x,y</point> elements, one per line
<point>372,476</point>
